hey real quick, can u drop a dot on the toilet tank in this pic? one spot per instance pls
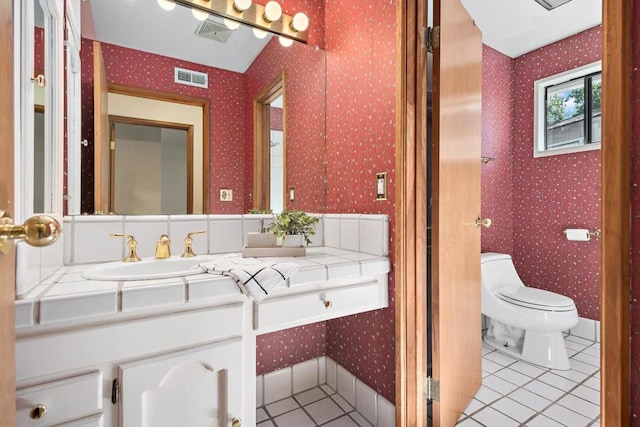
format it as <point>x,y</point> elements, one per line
<point>497,271</point>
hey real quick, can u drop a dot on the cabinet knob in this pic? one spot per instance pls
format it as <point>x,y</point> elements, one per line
<point>327,304</point>
<point>38,412</point>
<point>236,422</point>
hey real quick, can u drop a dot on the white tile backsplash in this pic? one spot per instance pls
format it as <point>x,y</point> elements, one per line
<point>332,230</point>
<point>587,329</point>
<point>350,232</point>
<point>225,233</point>
<point>27,268</point>
<point>332,379</point>
<point>92,241</point>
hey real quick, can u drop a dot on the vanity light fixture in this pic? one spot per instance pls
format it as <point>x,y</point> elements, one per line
<point>300,22</point>
<point>272,12</point>
<point>167,5</point>
<point>264,19</point>
<point>285,41</point>
<point>241,5</point>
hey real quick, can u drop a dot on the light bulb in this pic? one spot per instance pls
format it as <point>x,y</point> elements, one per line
<point>286,42</point>
<point>199,15</point>
<point>241,5</point>
<point>300,22</point>
<point>167,5</point>
<point>231,24</point>
<point>259,33</point>
<point>272,12</point>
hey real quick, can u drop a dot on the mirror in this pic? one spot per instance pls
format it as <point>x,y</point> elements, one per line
<point>142,45</point>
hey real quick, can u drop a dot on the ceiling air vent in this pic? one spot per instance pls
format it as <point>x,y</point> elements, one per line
<point>191,78</point>
<point>214,31</point>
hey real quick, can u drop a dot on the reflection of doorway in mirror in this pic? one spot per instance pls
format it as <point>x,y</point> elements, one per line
<point>150,169</point>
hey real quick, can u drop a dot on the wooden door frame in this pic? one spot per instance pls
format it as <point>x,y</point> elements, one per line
<point>202,103</point>
<point>113,120</point>
<point>7,262</point>
<point>411,213</point>
<point>262,142</point>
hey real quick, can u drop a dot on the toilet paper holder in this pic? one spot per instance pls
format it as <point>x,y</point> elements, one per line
<point>595,233</point>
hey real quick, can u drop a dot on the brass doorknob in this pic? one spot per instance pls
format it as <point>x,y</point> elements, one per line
<point>484,222</point>
<point>39,230</point>
<point>236,422</point>
<point>38,412</point>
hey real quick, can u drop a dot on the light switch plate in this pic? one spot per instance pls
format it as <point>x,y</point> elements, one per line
<point>381,186</point>
<point>226,195</point>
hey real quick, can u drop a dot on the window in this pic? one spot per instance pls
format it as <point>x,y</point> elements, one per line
<point>568,112</point>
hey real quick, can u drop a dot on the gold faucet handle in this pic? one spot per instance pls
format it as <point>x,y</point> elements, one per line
<point>188,242</point>
<point>132,256</point>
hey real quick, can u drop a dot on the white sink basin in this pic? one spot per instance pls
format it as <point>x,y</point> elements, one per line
<point>148,268</point>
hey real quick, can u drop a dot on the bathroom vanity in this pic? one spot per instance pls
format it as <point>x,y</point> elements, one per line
<point>178,351</point>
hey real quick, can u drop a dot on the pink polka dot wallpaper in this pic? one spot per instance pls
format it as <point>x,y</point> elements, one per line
<point>534,199</point>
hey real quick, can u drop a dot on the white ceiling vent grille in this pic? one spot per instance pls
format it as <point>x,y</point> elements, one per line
<point>214,31</point>
<point>191,78</point>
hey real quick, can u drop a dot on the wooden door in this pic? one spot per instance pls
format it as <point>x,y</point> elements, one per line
<point>455,275</point>
<point>198,387</point>
<point>7,262</point>
<point>101,140</point>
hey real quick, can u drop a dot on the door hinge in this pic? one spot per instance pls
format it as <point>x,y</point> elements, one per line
<point>115,391</point>
<point>431,389</point>
<point>431,38</point>
<point>112,145</point>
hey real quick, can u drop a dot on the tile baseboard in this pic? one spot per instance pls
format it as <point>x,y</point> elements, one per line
<point>324,372</point>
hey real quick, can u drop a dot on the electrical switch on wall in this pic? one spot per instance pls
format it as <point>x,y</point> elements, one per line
<point>381,186</point>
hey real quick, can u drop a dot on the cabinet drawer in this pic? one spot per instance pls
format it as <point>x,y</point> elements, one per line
<point>300,309</point>
<point>64,400</point>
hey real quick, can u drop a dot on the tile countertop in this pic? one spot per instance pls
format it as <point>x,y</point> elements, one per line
<point>66,298</point>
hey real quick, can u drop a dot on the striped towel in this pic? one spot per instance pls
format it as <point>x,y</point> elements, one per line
<point>255,278</point>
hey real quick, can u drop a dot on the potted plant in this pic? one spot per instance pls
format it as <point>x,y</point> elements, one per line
<point>294,227</point>
<point>262,238</point>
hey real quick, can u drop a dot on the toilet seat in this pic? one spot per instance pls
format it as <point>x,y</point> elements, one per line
<point>536,299</point>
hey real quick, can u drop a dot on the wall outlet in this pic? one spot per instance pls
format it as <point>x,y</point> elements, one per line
<point>226,195</point>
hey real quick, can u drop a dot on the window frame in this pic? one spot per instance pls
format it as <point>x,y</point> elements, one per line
<point>539,116</point>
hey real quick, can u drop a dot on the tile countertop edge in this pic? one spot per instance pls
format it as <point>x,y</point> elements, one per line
<point>188,292</point>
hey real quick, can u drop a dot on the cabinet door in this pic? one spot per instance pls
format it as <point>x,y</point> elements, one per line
<point>195,387</point>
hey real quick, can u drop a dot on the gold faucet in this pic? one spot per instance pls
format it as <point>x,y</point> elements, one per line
<point>188,241</point>
<point>132,256</point>
<point>163,247</point>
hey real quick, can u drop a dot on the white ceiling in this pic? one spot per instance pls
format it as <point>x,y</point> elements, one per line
<point>143,25</point>
<point>515,27</point>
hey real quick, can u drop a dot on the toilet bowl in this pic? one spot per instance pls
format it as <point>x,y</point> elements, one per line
<point>526,323</point>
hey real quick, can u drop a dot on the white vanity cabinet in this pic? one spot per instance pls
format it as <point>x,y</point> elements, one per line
<point>195,387</point>
<point>190,367</point>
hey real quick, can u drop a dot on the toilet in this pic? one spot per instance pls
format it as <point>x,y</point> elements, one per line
<point>526,323</point>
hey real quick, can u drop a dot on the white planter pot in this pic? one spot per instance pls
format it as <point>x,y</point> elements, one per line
<point>293,241</point>
<point>261,240</point>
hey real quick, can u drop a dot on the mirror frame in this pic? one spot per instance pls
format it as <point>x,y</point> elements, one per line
<point>54,107</point>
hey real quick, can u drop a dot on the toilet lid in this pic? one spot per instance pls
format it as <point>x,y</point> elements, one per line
<point>536,298</point>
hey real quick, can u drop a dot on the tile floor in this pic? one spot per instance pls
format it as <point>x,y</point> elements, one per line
<point>319,406</point>
<point>515,393</point>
